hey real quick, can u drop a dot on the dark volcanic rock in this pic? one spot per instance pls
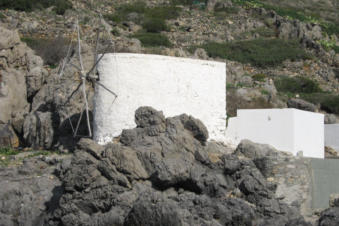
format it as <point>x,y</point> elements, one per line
<point>167,178</point>
<point>329,217</point>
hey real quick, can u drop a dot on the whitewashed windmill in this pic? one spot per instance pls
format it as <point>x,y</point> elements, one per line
<point>86,76</point>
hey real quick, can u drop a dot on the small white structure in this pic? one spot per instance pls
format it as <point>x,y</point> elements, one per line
<point>288,129</point>
<point>171,84</point>
<point>332,136</point>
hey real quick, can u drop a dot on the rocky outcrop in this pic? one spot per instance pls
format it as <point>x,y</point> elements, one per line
<point>29,190</point>
<point>38,130</point>
<point>301,104</point>
<point>163,173</point>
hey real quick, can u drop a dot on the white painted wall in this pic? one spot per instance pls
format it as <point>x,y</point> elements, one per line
<point>286,129</point>
<point>332,136</point>
<point>171,84</point>
<point>309,133</point>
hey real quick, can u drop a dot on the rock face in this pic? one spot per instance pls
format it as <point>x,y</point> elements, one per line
<point>163,173</point>
<point>39,130</point>
<point>27,192</point>
<point>301,104</point>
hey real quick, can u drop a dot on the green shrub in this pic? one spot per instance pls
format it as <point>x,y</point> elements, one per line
<point>113,17</point>
<point>163,12</point>
<point>60,6</point>
<point>258,52</point>
<point>295,85</point>
<point>50,50</point>
<point>153,39</point>
<point>330,28</point>
<point>328,102</point>
<point>5,151</point>
<point>260,77</point>
<point>2,16</point>
<point>155,25</point>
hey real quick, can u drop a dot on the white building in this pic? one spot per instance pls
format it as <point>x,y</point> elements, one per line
<point>289,130</point>
<point>171,84</point>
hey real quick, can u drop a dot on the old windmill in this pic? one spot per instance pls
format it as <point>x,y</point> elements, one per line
<point>85,76</point>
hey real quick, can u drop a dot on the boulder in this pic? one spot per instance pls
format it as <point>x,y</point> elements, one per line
<point>334,200</point>
<point>38,130</point>
<point>8,38</point>
<point>301,104</point>
<point>331,119</point>
<point>8,138</point>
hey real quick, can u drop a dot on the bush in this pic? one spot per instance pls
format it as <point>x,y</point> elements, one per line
<point>330,28</point>
<point>153,39</point>
<point>163,12</point>
<point>155,25</point>
<point>50,50</point>
<point>28,5</point>
<point>328,102</point>
<point>260,77</point>
<point>295,85</point>
<point>258,52</point>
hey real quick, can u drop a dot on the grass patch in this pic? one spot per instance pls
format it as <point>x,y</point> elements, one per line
<point>6,151</point>
<point>50,50</point>
<point>330,28</point>
<point>153,39</point>
<point>60,6</point>
<point>152,19</point>
<point>296,85</point>
<point>155,25</point>
<point>260,77</point>
<point>258,52</point>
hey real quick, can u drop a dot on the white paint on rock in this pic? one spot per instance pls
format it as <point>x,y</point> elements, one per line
<point>171,84</point>
<point>289,130</point>
<point>332,136</point>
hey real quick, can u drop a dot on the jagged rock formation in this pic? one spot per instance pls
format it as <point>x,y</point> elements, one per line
<point>164,173</point>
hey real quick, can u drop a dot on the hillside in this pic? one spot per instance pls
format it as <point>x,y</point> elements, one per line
<point>275,50</point>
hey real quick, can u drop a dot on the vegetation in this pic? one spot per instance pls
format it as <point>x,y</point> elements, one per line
<point>328,102</point>
<point>50,50</point>
<point>153,39</point>
<point>258,52</point>
<point>330,28</point>
<point>6,151</point>
<point>260,77</point>
<point>329,44</point>
<point>153,21</point>
<point>308,90</point>
<point>296,85</point>
<point>155,25</point>
<point>60,6</point>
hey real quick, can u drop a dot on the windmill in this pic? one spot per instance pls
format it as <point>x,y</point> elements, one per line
<point>86,76</point>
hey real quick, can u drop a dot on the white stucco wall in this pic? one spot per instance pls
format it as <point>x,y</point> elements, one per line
<point>332,136</point>
<point>286,129</point>
<point>171,84</point>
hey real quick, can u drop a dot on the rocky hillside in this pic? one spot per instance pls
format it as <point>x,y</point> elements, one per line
<point>163,172</point>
